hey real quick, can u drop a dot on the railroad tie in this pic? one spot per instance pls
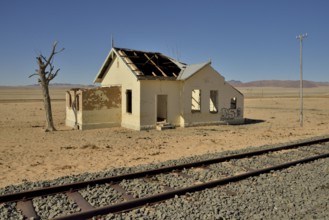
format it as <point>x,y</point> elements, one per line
<point>26,206</point>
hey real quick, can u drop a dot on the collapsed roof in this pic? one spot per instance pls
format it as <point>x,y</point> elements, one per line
<point>149,65</point>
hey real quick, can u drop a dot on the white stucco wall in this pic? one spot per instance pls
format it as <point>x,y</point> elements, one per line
<point>179,101</point>
<point>120,75</point>
<point>227,114</point>
<point>70,118</point>
<point>207,79</point>
<point>150,89</point>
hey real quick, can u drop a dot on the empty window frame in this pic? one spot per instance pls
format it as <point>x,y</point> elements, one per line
<point>196,100</point>
<point>128,101</point>
<point>233,103</point>
<point>213,104</point>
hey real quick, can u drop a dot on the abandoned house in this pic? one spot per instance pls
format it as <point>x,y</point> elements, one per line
<point>142,90</point>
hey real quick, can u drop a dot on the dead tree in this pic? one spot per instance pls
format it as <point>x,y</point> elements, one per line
<point>46,73</point>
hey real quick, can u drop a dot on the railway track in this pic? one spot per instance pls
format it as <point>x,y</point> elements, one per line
<point>125,192</point>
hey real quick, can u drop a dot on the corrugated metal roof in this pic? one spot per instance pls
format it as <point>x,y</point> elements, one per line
<point>189,70</point>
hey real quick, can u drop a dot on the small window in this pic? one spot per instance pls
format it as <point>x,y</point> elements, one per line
<point>196,100</point>
<point>213,106</point>
<point>233,103</point>
<point>129,101</point>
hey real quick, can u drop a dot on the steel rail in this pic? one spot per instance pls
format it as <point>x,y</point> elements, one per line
<point>129,205</point>
<point>25,195</point>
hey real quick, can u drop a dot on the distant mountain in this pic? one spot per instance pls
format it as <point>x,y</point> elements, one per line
<point>66,85</point>
<point>54,85</point>
<point>70,85</point>
<point>278,83</point>
<point>235,82</point>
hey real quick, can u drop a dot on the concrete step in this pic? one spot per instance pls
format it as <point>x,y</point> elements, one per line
<point>164,126</point>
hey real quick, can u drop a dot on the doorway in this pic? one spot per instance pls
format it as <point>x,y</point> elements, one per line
<point>162,108</point>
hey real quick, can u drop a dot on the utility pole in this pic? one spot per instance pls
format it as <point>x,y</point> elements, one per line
<point>300,38</point>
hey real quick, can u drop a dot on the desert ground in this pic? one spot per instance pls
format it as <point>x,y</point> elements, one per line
<point>27,153</point>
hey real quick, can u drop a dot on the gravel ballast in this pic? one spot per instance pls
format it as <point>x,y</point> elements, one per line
<point>298,192</point>
<point>99,196</point>
<point>54,205</point>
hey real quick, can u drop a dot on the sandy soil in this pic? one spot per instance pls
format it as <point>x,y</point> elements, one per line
<point>29,153</point>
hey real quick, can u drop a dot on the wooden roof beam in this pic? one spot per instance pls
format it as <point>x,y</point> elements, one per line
<point>163,73</point>
<point>129,63</point>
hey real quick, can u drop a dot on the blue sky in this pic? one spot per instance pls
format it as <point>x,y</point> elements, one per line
<point>246,40</point>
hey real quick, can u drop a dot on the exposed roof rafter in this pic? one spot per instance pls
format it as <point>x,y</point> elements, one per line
<point>163,73</point>
<point>129,62</point>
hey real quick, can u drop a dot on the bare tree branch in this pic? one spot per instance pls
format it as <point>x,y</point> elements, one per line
<point>34,74</point>
<point>60,50</point>
<point>52,76</point>
<point>53,52</point>
<point>44,58</point>
<point>51,68</point>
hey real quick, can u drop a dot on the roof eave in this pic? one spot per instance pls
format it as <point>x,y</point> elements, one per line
<point>179,77</point>
<point>234,88</point>
<point>102,69</point>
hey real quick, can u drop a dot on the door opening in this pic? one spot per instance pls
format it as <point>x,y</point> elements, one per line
<point>162,108</point>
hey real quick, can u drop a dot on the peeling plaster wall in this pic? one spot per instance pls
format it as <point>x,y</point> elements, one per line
<point>99,107</point>
<point>101,98</point>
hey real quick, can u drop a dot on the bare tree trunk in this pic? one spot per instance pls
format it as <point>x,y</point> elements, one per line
<point>47,104</point>
<point>45,76</point>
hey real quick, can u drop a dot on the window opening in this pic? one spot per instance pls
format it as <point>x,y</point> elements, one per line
<point>196,100</point>
<point>233,103</point>
<point>129,101</point>
<point>213,106</point>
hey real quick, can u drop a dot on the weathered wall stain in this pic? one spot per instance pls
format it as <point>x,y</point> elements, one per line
<point>101,98</point>
<point>93,108</point>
